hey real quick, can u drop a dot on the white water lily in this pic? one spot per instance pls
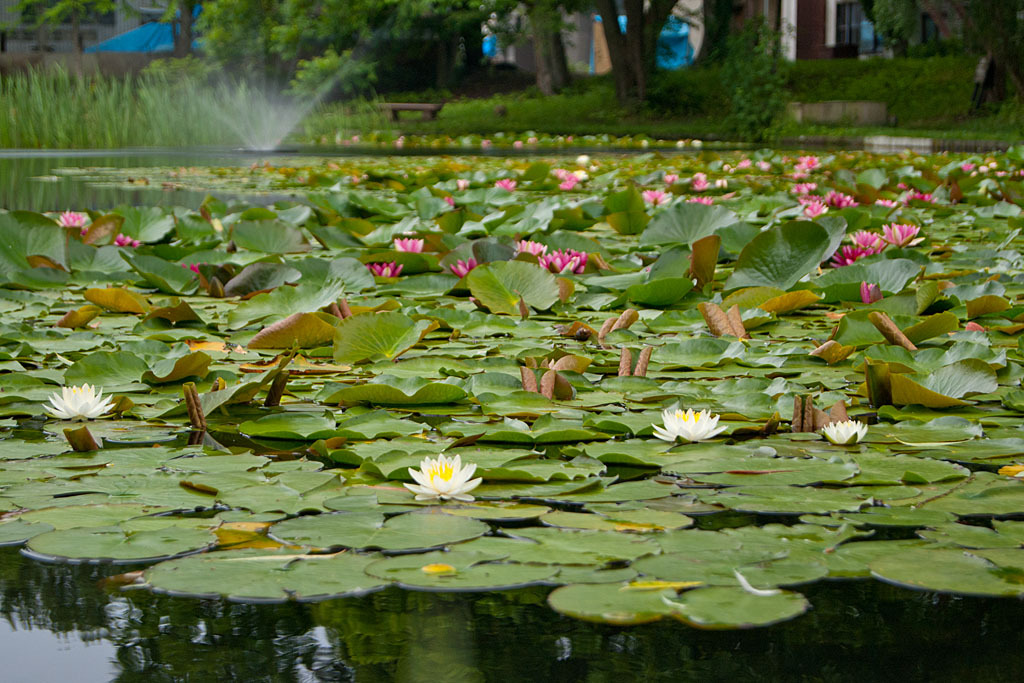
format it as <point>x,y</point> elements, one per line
<point>845,433</point>
<point>689,426</point>
<point>78,403</point>
<point>444,478</point>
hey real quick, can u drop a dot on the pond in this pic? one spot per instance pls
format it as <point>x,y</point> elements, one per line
<point>335,322</point>
<point>62,624</point>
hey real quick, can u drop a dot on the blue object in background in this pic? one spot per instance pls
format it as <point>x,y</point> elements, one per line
<point>490,46</point>
<point>674,50</point>
<point>152,37</point>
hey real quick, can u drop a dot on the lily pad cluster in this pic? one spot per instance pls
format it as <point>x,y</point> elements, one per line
<point>314,384</point>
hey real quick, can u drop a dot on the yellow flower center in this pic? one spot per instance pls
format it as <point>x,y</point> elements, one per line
<point>686,417</point>
<point>442,470</point>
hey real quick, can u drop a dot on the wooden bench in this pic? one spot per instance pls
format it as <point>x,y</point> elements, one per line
<point>428,110</point>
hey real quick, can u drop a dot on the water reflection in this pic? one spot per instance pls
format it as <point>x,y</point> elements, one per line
<point>857,631</point>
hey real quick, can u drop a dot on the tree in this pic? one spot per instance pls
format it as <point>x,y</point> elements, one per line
<point>181,14</point>
<point>56,12</point>
<point>632,52</point>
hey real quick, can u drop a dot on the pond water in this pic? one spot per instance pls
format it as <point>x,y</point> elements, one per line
<point>63,622</point>
<point>59,623</point>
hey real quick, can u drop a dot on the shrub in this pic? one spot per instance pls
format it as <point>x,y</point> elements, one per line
<point>754,79</point>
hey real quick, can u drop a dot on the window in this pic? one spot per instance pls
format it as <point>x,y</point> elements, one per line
<point>848,21</point>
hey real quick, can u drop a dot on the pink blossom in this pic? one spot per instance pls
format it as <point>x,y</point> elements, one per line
<point>846,255</point>
<point>814,208</point>
<point>531,247</point>
<point>531,140</point>
<point>126,241</point>
<point>462,184</point>
<point>803,188</point>
<point>920,196</point>
<point>569,182</point>
<point>194,267</point>
<point>699,182</point>
<point>870,293</point>
<point>798,175</point>
<point>562,174</point>
<point>506,184</point>
<point>967,167</point>
<point>408,244</point>
<point>764,165</point>
<point>886,202</point>
<point>355,139</point>
<point>391,269</point>
<point>671,178</point>
<point>701,200</point>
<point>901,186</point>
<point>745,163</point>
<point>809,162</point>
<point>901,234</point>
<point>655,197</point>
<point>461,267</point>
<point>400,142</point>
<point>974,327</point>
<point>838,200</point>
<point>564,260</point>
<point>450,200</point>
<point>867,240</point>
<point>72,219</point>
<point>485,144</point>
<point>518,144</point>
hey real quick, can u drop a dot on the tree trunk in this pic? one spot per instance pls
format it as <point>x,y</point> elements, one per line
<point>624,89</point>
<point>76,36</point>
<point>548,49</point>
<point>183,40</point>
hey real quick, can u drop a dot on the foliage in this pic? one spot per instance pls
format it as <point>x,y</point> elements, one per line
<point>322,385</point>
<point>332,71</point>
<point>754,77</point>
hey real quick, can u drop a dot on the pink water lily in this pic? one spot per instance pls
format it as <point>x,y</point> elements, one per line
<point>506,184</point>
<point>901,234</point>
<point>967,167</point>
<point>839,200</point>
<point>72,219</point>
<point>126,241</point>
<point>847,255</point>
<point>655,197</point>
<point>194,267</point>
<point>564,260</point>
<point>570,182</point>
<point>870,292</point>
<point>814,208</point>
<point>764,165</point>
<point>462,184</point>
<point>809,162</point>
<point>531,247</point>
<point>461,267</point>
<point>803,188</point>
<point>450,201</point>
<point>744,163</point>
<point>410,244</point>
<point>927,197</point>
<point>671,178</point>
<point>390,269</point>
<point>887,203</point>
<point>699,182</point>
<point>707,201</point>
<point>867,240</point>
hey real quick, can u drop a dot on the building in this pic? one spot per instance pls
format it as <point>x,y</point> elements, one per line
<point>19,34</point>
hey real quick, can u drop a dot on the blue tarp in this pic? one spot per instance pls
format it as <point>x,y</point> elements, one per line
<point>151,37</point>
<point>674,49</point>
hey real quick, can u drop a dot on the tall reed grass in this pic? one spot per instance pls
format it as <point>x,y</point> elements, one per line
<point>52,108</point>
